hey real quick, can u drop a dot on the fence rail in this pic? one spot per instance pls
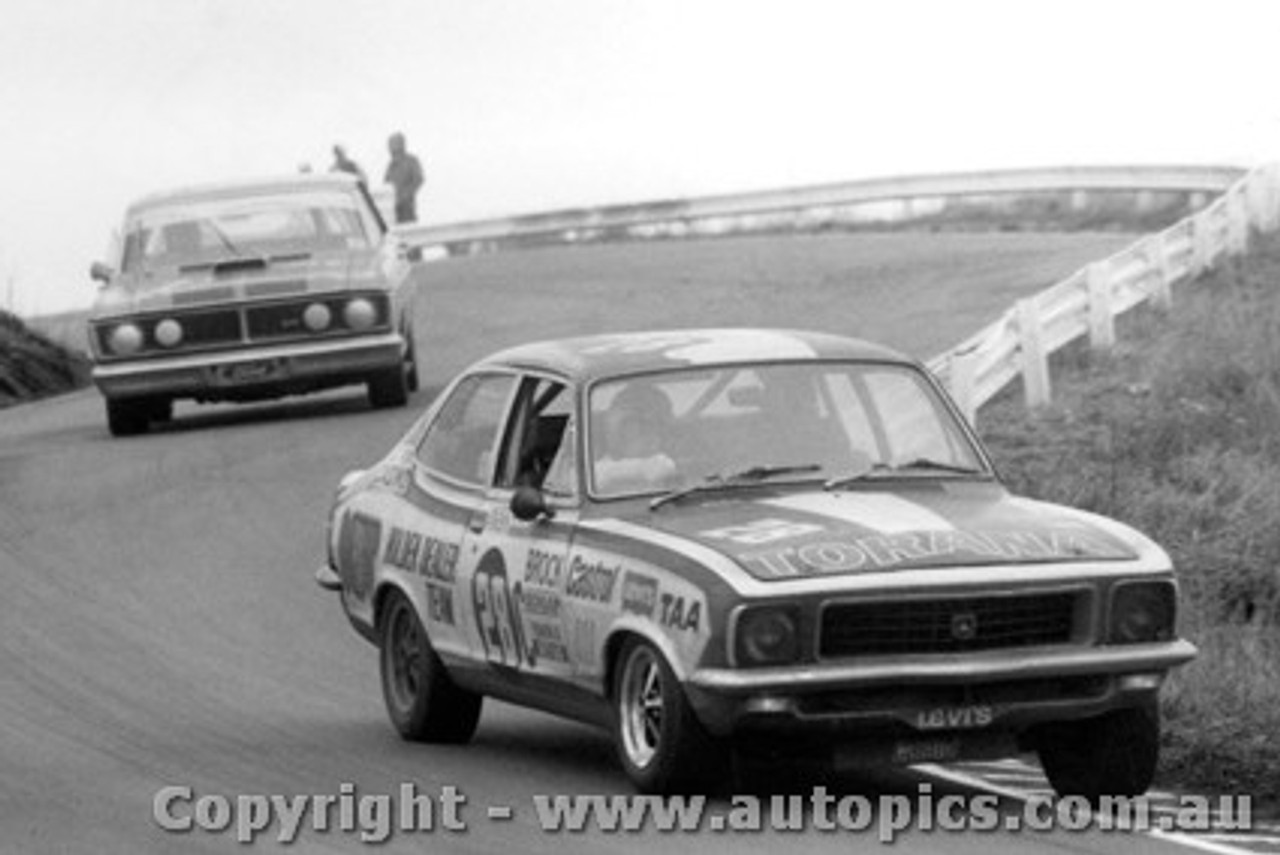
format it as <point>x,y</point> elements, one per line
<point>1086,303</point>
<point>711,213</point>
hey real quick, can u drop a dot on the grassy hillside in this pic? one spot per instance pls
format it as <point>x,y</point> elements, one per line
<point>31,366</point>
<point>1178,433</point>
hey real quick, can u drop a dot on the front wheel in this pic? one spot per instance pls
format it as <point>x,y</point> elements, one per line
<point>661,744</point>
<point>1112,755</point>
<point>127,417</point>
<point>389,388</point>
<point>423,702</point>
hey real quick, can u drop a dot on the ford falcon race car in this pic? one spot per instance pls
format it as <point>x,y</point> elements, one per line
<point>238,292</point>
<point>717,542</point>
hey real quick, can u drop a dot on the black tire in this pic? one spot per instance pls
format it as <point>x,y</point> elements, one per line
<point>161,410</point>
<point>411,363</point>
<point>1112,755</point>
<point>659,741</point>
<point>127,417</point>
<point>424,704</point>
<point>389,388</point>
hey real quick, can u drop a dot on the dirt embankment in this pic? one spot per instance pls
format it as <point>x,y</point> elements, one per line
<point>32,366</point>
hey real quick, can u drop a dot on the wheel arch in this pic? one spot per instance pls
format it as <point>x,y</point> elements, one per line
<point>617,639</point>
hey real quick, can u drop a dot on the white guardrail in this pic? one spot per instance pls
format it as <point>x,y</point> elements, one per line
<point>1021,341</point>
<point>1088,301</point>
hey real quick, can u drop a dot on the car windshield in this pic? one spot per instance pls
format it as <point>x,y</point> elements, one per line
<point>834,422</point>
<point>262,227</point>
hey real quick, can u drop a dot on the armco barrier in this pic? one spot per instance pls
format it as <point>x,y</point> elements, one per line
<point>1087,302</point>
<point>703,213</point>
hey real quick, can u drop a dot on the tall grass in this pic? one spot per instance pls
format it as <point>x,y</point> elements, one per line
<point>1177,432</point>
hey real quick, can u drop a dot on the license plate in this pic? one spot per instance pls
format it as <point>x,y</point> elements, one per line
<point>248,372</point>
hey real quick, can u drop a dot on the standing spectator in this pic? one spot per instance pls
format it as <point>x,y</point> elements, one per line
<point>342,163</point>
<point>404,172</point>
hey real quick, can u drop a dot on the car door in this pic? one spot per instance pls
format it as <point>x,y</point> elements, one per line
<point>452,471</point>
<point>517,568</point>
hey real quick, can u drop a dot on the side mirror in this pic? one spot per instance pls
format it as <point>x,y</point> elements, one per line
<point>528,504</point>
<point>100,272</point>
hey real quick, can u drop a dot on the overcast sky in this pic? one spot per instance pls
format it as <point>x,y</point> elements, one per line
<point>526,105</point>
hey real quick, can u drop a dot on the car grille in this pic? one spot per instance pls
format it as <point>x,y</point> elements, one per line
<point>212,329</point>
<point>950,625</point>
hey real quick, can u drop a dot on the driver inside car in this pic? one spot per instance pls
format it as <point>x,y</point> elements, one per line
<point>632,435</point>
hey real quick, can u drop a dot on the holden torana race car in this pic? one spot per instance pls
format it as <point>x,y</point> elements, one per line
<point>246,291</point>
<point>722,542</point>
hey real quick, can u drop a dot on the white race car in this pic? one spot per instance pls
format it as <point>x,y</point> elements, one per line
<point>712,541</point>
<point>251,290</point>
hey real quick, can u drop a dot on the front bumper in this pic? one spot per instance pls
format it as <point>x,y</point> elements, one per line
<point>1013,691</point>
<point>229,375</point>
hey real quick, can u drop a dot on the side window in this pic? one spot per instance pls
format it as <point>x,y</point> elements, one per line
<point>539,448</point>
<point>460,442</point>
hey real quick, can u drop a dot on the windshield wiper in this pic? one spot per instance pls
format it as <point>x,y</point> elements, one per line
<point>751,475</point>
<point>882,469</point>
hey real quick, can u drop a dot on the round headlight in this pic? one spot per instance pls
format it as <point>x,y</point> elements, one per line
<point>125,339</point>
<point>168,333</point>
<point>360,314</point>
<point>767,637</point>
<point>1142,613</point>
<point>317,317</point>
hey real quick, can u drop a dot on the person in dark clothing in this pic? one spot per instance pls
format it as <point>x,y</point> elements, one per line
<point>343,163</point>
<point>404,172</point>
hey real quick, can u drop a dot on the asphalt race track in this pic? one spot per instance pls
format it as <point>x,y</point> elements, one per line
<point>159,627</point>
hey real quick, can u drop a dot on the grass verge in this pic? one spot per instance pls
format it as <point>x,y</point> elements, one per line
<point>32,366</point>
<point>1177,432</point>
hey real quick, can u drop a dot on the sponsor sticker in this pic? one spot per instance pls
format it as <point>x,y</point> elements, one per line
<point>760,532</point>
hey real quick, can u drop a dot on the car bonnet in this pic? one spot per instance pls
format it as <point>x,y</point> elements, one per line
<point>169,288</point>
<point>788,534</point>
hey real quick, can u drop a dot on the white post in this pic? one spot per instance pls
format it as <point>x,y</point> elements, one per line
<point>1102,322</point>
<point>1035,362</point>
<point>1162,293</point>
<point>1202,242</point>
<point>963,386</point>
<point>1237,222</point>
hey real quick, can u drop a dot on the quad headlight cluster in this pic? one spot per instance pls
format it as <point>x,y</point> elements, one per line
<point>264,322</point>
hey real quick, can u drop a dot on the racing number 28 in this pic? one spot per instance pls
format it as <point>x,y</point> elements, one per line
<point>497,612</point>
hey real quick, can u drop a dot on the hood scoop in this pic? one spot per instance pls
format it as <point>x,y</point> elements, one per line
<point>239,265</point>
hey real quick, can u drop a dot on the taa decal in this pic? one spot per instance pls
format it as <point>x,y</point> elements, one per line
<point>497,611</point>
<point>358,539</point>
<point>677,615</point>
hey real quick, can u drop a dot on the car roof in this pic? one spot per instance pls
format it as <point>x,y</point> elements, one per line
<point>280,184</point>
<point>594,357</point>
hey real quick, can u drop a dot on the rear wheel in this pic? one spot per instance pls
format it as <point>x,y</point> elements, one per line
<point>1112,755</point>
<point>126,417</point>
<point>661,744</point>
<point>424,703</point>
